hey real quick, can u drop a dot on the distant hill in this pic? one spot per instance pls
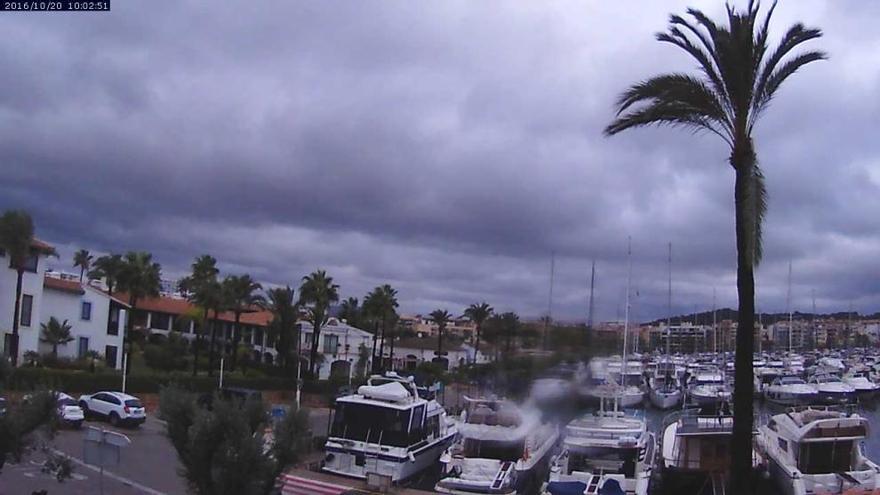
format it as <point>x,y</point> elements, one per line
<point>705,317</point>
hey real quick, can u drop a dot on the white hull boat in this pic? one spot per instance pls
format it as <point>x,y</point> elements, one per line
<point>791,391</point>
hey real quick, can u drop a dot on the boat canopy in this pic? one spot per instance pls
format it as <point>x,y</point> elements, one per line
<point>391,392</point>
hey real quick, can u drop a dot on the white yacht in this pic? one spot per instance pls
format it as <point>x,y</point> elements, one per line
<point>605,452</point>
<point>818,450</point>
<point>501,449</point>
<point>860,381</point>
<point>707,388</point>
<point>665,389</point>
<point>791,391</point>
<point>832,390</point>
<point>631,380</point>
<point>695,452</point>
<point>386,428</point>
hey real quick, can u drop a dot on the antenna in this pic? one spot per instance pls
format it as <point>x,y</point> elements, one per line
<point>592,286</point>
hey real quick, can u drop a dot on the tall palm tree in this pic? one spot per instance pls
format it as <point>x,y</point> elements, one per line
<point>739,76</point>
<point>107,268</point>
<point>350,311</point>
<point>56,333</point>
<point>83,260</point>
<point>478,314</point>
<point>243,296</point>
<point>139,277</point>
<point>317,292</point>
<point>203,290</point>
<point>510,329</point>
<point>283,305</point>
<point>387,307</point>
<point>442,318</point>
<point>371,313</point>
<point>17,240</point>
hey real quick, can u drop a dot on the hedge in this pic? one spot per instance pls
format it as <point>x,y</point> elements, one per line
<point>85,382</point>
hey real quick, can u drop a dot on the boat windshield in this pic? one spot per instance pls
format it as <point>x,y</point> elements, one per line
<point>600,460</point>
<point>493,449</point>
<point>826,457</point>
<point>791,380</point>
<point>825,379</point>
<point>629,379</point>
<point>370,423</point>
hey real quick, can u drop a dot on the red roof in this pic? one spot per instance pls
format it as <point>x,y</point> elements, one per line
<point>179,306</point>
<point>41,245</point>
<point>71,286</point>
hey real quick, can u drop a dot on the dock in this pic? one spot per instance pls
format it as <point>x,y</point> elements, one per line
<point>306,482</point>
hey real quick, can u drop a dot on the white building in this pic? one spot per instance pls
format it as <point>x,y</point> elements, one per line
<point>410,352</point>
<point>31,298</point>
<point>339,344</point>
<point>96,319</point>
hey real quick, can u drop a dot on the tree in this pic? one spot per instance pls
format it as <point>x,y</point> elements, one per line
<point>478,314</point>
<point>381,304</point>
<point>739,78</point>
<point>317,293</point>
<point>222,449</point>
<point>350,311</point>
<point>22,423</point>
<point>284,310</point>
<point>107,268</point>
<point>243,297</point>
<point>56,333</point>
<point>442,318</point>
<point>17,240</point>
<point>83,260</point>
<point>203,290</point>
<point>509,330</point>
<point>363,359</point>
<point>139,278</point>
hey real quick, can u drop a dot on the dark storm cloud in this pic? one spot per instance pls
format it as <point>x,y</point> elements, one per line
<point>447,148</point>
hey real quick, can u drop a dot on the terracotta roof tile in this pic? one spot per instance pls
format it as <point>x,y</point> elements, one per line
<point>179,306</point>
<point>71,286</point>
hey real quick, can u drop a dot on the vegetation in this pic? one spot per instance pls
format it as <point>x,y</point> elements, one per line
<point>478,313</point>
<point>381,305</point>
<point>107,268</point>
<point>24,425</point>
<point>241,292</point>
<point>317,293</point>
<point>17,240</point>
<point>740,75</point>
<point>55,333</point>
<point>83,260</point>
<point>202,289</point>
<point>442,318</point>
<point>139,277</point>
<point>285,311</point>
<point>221,449</point>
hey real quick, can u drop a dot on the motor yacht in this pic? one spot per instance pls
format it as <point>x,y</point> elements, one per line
<point>388,429</point>
<point>832,390</point>
<point>791,391</point>
<point>860,381</point>
<point>501,449</point>
<point>819,450</point>
<point>707,388</point>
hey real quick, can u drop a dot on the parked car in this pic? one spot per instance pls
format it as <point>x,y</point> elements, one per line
<point>2,406</point>
<point>68,410</point>
<point>116,407</point>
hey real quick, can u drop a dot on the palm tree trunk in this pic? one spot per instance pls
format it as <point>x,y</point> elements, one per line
<point>741,445</point>
<point>477,344</point>
<point>373,364</point>
<point>391,354</point>
<point>16,315</point>
<point>132,302</point>
<point>212,351</point>
<point>382,347</point>
<point>82,270</point>
<point>197,342</point>
<point>236,338</point>
<point>316,333</point>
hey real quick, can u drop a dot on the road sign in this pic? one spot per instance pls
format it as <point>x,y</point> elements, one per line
<point>102,448</point>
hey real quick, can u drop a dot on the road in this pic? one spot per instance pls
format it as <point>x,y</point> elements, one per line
<point>148,466</point>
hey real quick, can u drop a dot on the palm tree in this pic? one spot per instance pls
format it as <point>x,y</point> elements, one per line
<point>387,307</point>
<point>284,310</point>
<point>139,278</point>
<point>17,240</point>
<point>83,260</point>
<point>243,297</point>
<point>56,333</point>
<point>441,317</point>
<point>478,313</point>
<point>510,329</point>
<point>350,311</point>
<point>108,268</point>
<point>203,290</point>
<point>317,292</point>
<point>739,76</point>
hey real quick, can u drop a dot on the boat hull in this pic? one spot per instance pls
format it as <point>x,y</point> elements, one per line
<point>345,461</point>
<point>665,400</point>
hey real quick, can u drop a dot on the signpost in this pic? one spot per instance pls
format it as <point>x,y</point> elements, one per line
<point>102,448</point>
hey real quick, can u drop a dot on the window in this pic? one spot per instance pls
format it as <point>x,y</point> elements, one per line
<point>110,356</point>
<point>783,444</point>
<point>331,344</point>
<point>83,347</point>
<point>258,336</point>
<point>27,307</point>
<point>86,311</point>
<point>161,321</point>
<point>113,323</point>
<point>30,263</point>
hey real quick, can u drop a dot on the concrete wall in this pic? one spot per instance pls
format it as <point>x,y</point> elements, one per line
<point>66,305</point>
<point>32,284</point>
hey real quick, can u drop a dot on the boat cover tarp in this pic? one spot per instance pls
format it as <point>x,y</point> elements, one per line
<point>567,487</point>
<point>392,391</point>
<point>479,469</point>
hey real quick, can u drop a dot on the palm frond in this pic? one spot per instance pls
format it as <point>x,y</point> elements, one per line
<point>795,35</point>
<point>780,75</point>
<point>707,56</point>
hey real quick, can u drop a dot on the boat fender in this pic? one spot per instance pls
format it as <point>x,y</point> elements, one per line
<point>412,458</point>
<point>526,454</point>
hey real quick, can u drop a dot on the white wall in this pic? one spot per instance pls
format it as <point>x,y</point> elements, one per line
<point>32,284</point>
<point>350,340</point>
<point>68,306</point>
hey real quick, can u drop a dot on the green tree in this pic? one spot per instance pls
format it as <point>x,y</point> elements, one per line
<point>139,278</point>
<point>56,333</point>
<point>202,289</point>
<point>108,268</point>
<point>222,450</point>
<point>442,318</point>
<point>317,293</point>
<point>350,311</point>
<point>739,77</point>
<point>284,310</point>
<point>23,423</point>
<point>381,304</point>
<point>363,359</point>
<point>83,260</point>
<point>242,294</point>
<point>510,329</point>
<point>478,313</point>
<point>17,240</point>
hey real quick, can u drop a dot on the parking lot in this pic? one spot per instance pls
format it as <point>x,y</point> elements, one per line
<point>149,465</point>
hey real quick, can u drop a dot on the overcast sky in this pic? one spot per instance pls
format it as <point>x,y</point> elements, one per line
<point>445,147</point>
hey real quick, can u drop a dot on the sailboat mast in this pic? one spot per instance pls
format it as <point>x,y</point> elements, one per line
<point>626,307</point>
<point>669,304</point>
<point>550,298</point>
<point>813,338</point>
<point>788,303</point>
<point>592,287</point>
<point>714,322</point>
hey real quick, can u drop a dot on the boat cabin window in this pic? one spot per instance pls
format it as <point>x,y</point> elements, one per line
<point>369,423</point>
<point>493,449</point>
<point>790,380</point>
<point>605,460</point>
<point>826,457</point>
<point>629,380</point>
